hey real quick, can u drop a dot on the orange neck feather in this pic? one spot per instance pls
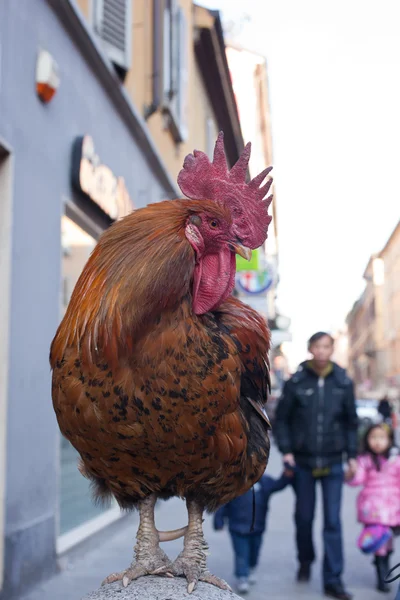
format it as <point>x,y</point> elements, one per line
<point>142,265</point>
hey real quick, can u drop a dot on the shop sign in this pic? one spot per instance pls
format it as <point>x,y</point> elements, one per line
<point>242,264</point>
<point>255,282</point>
<point>97,181</point>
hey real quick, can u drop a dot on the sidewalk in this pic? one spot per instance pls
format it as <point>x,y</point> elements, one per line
<point>111,551</point>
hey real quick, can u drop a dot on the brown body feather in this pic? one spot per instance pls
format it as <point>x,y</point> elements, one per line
<point>152,396</point>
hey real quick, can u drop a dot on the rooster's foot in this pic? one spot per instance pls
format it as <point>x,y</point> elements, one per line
<point>148,555</point>
<point>194,570</point>
<point>144,566</point>
<point>192,561</point>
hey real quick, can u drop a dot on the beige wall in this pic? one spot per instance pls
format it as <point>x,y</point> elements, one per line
<point>391,258</point>
<point>357,332</point>
<point>250,84</point>
<point>375,334</point>
<point>199,110</point>
<point>366,340</point>
<point>85,6</point>
<point>138,80</point>
<point>138,83</point>
<point>341,353</point>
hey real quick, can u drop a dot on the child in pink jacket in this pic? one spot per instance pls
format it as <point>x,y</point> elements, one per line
<point>378,504</point>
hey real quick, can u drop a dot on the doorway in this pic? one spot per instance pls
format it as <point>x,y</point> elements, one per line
<point>5,277</point>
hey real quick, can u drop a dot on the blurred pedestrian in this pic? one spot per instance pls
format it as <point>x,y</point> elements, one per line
<point>315,427</point>
<point>385,410</point>
<point>247,528</point>
<point>378,504</point>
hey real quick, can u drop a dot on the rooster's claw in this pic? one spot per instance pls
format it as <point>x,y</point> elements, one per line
<point>185,567</point>
<point>146,566</point>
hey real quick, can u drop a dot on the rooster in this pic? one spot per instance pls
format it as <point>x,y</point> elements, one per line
<point>160,376</point>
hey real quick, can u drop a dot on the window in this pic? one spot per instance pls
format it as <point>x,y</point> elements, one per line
<point>112,23</point>
<point>76,506</point>
<point>76,248</point>
<point>175,68</point>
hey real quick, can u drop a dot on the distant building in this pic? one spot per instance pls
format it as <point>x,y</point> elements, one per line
<point>250,85</point>
<point>341,353</point>
<point>257,284</point>
<point>391,313</point>
<point>366,344</point>
<point>374,324</point>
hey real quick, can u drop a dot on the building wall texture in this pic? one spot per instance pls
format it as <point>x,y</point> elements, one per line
<point>391,259</point>
<point>374,324</point>
<point>202,123</point>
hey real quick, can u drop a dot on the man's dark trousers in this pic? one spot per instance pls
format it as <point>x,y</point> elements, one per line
<point>305,488</point>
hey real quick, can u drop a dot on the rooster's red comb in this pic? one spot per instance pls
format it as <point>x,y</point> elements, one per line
<point>201,179</point>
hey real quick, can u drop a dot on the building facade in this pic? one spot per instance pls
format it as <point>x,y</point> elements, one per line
<point>341,352</point>
<point>366,344</point>
<point>391,313</point>
<point>374,325</point>
<point>176,74</point>
<point>97,111</point>
<point>257,283</point>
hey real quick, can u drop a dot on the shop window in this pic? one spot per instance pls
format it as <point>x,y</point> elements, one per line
<point>76,248</point>
<point>76,505</point>
<point>112,24</point>
<point>175,70</point>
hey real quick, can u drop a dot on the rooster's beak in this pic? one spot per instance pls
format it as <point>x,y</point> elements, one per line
<point>242,250</point>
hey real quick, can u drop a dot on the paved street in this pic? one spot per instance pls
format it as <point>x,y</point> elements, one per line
<point>112,550</point>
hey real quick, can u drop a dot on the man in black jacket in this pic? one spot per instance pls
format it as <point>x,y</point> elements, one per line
<point>315,426</point>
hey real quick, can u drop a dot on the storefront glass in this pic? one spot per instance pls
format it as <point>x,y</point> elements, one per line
<point>76,506</point>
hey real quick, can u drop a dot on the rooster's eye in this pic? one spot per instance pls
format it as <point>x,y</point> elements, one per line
<point>213,224</point>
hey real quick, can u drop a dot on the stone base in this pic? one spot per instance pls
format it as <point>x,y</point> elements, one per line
<point>159,588</point>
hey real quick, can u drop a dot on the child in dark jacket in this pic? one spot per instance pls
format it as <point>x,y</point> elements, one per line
<point>239,514</point>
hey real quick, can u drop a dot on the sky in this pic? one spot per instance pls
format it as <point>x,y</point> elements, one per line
<point>334,80</point>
